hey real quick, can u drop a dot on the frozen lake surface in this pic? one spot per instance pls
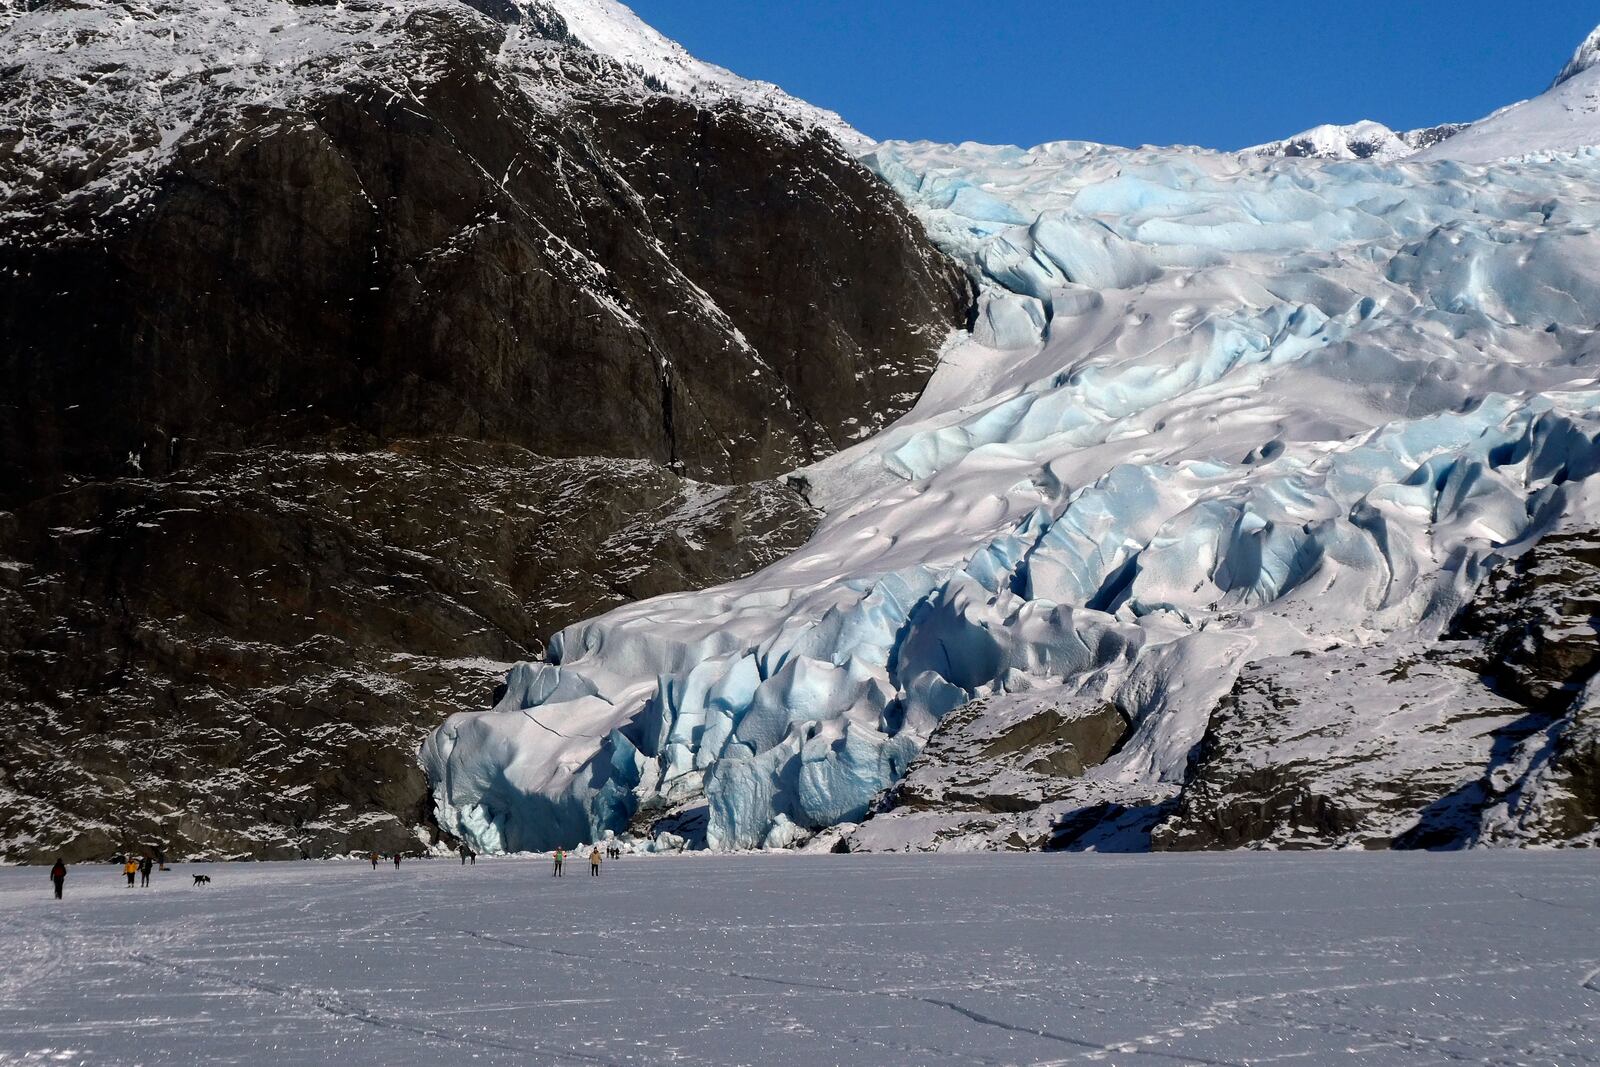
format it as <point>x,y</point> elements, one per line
<point>1005,959</point>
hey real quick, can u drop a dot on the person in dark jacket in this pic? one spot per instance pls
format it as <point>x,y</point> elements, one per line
<point>145,866</point>
<point>58,875</point>
<point>397,861</point>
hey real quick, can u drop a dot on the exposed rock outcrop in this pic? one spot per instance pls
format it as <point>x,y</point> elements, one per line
<point>1487,736</point>
<point>1345,747</point>
<point>1541,621</point>
<point>1010,753</point>
<point>996,773</point>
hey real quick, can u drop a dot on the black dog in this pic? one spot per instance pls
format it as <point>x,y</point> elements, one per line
<point>202,879</point>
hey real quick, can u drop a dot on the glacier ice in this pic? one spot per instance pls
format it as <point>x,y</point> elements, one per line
<point>1214,408</point>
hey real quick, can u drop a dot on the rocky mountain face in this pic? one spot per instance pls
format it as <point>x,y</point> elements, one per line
<point>353,350</point>
<point>350,350</point>
<point>418,242</point>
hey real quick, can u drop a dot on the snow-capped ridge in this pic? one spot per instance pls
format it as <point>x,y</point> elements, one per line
<point>1565,118</point>
<point>151,90</point>
<point>1358,140</point>
<point>612,29</point>
<point>1586,56</point>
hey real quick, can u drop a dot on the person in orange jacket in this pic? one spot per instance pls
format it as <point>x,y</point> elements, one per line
<point>131,869</point>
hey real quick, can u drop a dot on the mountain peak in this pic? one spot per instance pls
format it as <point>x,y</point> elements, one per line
<point>612,28</point>
<point>1358,140</point>
<point>1587,55</point>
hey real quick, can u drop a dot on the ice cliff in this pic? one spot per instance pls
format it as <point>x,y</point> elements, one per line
<point>1215,409</point>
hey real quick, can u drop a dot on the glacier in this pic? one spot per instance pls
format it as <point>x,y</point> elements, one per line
<point>1214,408</point>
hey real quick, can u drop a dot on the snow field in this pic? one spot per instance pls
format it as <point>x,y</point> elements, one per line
<point>1002,959</point>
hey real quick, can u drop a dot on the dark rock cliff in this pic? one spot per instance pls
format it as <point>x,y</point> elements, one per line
<point>326,401</point>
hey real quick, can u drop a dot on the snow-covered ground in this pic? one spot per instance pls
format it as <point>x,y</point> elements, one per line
<point>1006,959</point>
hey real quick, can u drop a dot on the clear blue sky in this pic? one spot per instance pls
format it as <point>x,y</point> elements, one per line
<point>1220,73</point>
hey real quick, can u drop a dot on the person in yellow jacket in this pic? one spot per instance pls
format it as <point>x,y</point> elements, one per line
<point>594,862</point>
<point>131,868</point>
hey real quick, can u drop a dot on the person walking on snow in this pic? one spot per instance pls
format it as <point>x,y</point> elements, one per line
<point>58,875</point>
<point>397,861</point>
<point>145,866</point>
<point>594,862</point>
<point>130,869</point>
<point>560,855</point>
<point>374,858</point>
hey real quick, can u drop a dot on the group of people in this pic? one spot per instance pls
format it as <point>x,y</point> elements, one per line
<point>612,851</point>
<point>132,869</point>
<point>140,868</point>
<point>137,868</point>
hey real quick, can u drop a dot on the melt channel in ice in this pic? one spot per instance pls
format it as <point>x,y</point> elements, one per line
<point>1213,409</point>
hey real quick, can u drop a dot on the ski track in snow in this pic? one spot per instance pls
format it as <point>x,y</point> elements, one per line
<point>997,959</point>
